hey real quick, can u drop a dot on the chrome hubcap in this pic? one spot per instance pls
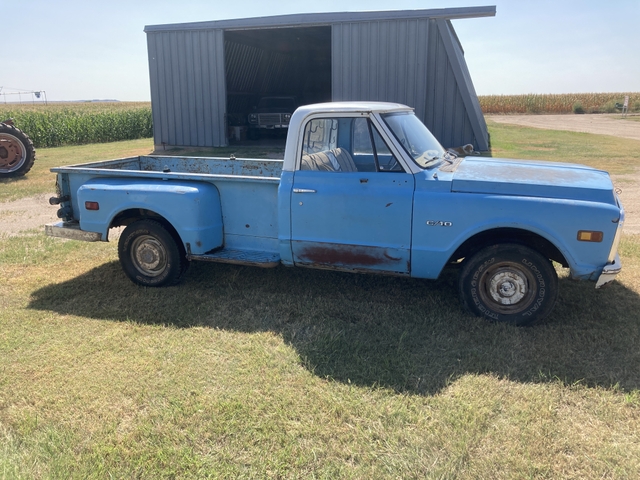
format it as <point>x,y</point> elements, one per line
<point>507,287</point>
<point>149,256</point>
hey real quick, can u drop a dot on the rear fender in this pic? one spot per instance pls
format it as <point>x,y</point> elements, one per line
<point>192,208</point>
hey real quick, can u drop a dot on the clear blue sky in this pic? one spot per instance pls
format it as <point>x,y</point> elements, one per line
<point>88,49</point>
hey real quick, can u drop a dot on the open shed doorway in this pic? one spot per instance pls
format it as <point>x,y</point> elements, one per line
<point>267,71</point>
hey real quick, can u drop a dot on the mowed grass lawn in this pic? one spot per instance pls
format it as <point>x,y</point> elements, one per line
<point>240,372</point>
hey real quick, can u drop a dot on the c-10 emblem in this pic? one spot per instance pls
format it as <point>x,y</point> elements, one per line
<point>438,223</point>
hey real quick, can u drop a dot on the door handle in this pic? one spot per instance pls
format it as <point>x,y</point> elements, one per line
<point>303,190</point>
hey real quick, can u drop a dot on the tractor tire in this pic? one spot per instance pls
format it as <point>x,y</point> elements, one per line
<point>16,152</point>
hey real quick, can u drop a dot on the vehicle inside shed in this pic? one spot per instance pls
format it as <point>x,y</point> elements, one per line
<point>275,62</point>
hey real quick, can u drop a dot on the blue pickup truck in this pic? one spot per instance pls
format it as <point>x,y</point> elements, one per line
<point>364,187</point>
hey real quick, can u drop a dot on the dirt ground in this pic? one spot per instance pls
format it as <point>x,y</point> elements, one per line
<point>613,124</point>
<point>26,214</point>
<point>32,213</point>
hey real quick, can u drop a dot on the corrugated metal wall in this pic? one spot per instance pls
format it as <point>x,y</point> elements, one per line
<point>418,62</point>
<point>453,110</point>
<point>276,70</point>
<point>381,60</point>
<point>188,92</point>
<point>252,72</point>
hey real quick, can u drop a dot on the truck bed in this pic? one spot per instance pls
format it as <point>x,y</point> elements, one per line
<point>186,168</point>
<point>248,225</point>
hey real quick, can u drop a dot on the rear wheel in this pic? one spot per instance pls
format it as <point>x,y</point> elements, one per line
<point>16,152</point>
<point>509,283</point>
<point>150,256</point>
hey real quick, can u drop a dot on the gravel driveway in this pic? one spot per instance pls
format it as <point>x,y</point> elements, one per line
<point>599,124</point>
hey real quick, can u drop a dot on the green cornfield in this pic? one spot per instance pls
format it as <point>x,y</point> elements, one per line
<point>59,124</point>
<point>558,103</point>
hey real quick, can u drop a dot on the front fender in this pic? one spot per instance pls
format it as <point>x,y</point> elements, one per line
<point>467,215</point>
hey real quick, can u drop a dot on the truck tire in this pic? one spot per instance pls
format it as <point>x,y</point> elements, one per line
<point>16,152</point>
<point>150,256</point>
<point>508,283</point>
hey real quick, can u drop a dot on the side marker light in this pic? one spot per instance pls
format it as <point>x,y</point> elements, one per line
<point>590,236</point>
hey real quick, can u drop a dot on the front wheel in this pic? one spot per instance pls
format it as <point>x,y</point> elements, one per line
<point>149,254</point>
<point>509,283</point>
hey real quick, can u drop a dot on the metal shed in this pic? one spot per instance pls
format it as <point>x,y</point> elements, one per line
<point>205,75</point>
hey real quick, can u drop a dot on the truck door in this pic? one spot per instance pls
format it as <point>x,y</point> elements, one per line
<point>351,204</point>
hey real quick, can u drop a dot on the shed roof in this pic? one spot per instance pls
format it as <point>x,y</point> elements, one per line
<point>307,19</point>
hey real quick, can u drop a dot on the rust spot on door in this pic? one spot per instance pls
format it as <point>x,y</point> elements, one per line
<point>347,255</point>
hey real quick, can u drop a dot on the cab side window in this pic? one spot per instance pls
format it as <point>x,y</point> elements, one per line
<point>344,145</point>
<point>370,151</point>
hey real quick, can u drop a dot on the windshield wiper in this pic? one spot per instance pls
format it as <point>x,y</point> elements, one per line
<point>429,157</point>
<point>450,156</point>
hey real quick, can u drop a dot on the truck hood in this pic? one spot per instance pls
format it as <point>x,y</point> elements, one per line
<point>533,179</point>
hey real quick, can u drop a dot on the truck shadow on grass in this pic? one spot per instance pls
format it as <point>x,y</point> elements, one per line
<point>407,335</point>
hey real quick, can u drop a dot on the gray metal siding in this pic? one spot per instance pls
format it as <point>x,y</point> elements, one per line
<point>188,89</point>
<point>453,109</point>
<point>443,97</point>
<point>297,20</point>
<point>381,60</point>
<point>418,62</point>
<point>467,94</point>
<point>410,57</point>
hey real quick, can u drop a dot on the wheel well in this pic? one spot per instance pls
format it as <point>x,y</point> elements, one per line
<point>509,235</point>
<point>127,217</point>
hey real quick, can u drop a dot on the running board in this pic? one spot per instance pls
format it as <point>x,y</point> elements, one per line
<point>240,257</point>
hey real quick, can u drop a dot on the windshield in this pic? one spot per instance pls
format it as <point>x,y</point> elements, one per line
<point>416,139</point>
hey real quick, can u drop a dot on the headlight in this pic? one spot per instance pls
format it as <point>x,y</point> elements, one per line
<point>253,118</point>
<point>287,117</point>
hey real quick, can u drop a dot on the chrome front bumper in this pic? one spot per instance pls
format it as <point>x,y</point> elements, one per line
<point>71,231</point>
<point>609,272</point>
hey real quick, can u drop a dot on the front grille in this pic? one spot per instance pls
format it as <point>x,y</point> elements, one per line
<point>269,119</point>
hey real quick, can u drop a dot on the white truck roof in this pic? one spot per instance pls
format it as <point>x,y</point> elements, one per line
<point>299,118</point>
<point>351,107</point>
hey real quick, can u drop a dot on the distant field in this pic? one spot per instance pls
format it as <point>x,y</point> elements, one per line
<point>558,103</point>
<point>55,125</point>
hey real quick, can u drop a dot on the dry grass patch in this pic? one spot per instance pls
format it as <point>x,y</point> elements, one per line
<point>615,155</point>
<point>242,372</point>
